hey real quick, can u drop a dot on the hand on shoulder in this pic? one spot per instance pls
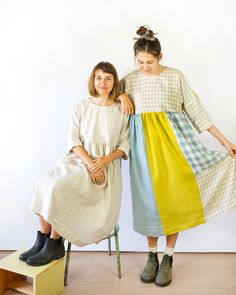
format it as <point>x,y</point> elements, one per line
<point>126,104</point>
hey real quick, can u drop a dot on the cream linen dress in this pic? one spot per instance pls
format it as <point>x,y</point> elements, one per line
<point>80,211</point>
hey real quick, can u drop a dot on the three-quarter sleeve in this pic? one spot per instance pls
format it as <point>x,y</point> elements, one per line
<point>74,131</point>
<point>193,107</point>
<point>124,138</point>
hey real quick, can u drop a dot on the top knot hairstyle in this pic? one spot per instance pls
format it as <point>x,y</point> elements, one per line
<point>147,42</point>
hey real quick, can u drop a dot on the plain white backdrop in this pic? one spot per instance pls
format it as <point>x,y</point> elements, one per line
<point>47,51</point>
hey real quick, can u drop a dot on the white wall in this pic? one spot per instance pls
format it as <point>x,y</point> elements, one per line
<point>47,50</point>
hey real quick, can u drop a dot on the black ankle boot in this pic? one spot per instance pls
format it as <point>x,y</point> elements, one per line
<point>38,245</point>
<point>52,249</point>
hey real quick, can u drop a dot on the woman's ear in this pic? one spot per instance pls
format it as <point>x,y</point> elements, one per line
<point>160,56</point>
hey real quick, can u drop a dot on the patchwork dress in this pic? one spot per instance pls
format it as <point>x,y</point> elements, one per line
<point>80,211</point>
<point>176,182</point>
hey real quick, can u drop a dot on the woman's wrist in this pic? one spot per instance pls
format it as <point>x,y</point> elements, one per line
<point>88,162</point>
<point>106,160</point>
<point>218,135</point>
<point>121,97</point>
<point>224,141</point>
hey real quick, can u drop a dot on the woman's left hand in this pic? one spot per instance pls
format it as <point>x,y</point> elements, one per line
<point>98,178</point>
<point>98,165</point>
<point>126,104</point>
<point>231,148</point>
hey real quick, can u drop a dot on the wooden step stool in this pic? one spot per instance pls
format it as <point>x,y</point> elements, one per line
<point>46,280</point>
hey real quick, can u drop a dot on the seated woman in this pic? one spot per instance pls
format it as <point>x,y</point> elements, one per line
<point>79,198</point>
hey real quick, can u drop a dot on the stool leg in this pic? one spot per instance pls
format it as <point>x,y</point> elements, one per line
<point>67,263</point>
<point>109,246</point>
<point>117,253</point>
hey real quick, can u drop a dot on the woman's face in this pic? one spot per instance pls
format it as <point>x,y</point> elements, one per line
<point>103,83</point>
<point>147,63</point>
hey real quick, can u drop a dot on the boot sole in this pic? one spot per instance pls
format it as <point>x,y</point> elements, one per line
<point>147,281</point>
<point>23,259</point>
<point>46,262</point>
<point>163,285</point>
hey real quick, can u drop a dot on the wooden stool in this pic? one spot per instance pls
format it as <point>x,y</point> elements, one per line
<point>113,234</point>
<point>46,280</point>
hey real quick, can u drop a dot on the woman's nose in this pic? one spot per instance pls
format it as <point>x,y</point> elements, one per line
<point>103,82</point>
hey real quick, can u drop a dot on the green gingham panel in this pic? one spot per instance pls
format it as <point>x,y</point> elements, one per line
<point>198,156</point>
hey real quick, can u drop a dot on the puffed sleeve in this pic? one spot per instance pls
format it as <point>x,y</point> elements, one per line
<point>193,107</point>
<point>74,131</point>
<point>124,138</point>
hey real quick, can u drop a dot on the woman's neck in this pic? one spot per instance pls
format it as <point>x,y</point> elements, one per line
<point>102,101</point>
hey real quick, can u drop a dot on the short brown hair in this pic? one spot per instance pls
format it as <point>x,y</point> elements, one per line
<point>106,67</point>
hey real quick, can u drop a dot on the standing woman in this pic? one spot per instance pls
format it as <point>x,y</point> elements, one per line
<point>79,198</point>
<point>176,182</point>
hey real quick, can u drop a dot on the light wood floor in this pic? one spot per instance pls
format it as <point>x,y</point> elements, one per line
<point>94,273</point>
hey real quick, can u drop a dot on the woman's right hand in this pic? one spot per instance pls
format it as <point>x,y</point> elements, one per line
<point>231,148</point>
<point>126,104</point>
<point>98,178</point>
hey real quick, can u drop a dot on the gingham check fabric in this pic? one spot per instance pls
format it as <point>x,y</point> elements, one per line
<point>198,156</point>
<point>169,91</point>
<point>217,187</point>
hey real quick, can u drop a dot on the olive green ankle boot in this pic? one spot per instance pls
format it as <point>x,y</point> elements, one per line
<point>150,270</point>
<point>164,275</point>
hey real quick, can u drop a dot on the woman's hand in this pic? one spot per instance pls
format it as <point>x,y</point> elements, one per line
<point>98,165</point>
<point>126,104</point>
<point>98,178</point>
<point>231,148</point>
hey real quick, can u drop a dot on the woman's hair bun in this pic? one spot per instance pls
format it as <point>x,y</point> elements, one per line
<point>145,33</point>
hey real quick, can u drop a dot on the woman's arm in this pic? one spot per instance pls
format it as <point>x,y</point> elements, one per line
<point>126,101</point>
<point>96,177</point>
<point>75,144</point>
<point>230,147</point>
<point>83,155</point>
<point>126,104</point>
<point>101,163</point>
